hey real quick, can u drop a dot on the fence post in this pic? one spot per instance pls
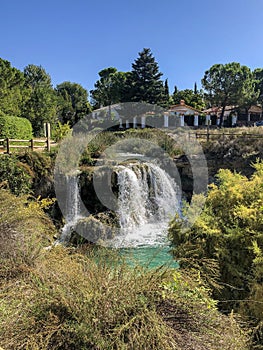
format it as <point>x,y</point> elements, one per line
<point>207,133</point>
<point>7,146</point>
<point>48,144</point>
<point>32,144</point>
<point>47,134</point>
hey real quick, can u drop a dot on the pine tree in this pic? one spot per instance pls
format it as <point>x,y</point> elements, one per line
<point>145,79</point>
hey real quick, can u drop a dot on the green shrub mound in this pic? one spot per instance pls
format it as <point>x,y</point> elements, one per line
<point>28,173</point>
<point>15,127</point>
<point>88,298</point>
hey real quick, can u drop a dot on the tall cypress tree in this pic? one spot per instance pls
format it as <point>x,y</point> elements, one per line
<point>166,98</point>
<point>166,88</point>
<point>195,89</point>
<point>145,79</point>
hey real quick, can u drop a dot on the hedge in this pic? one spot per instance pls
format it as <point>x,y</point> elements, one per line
<point>15,127</point>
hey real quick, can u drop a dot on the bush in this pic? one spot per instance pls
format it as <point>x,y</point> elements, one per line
<point>24,230</point>
<point>14,175</point>
<point>226,241</point>
<point>61,131</point>
<point>15,127</point>
<point>41,167</point>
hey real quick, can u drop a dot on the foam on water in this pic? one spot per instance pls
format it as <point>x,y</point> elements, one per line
<point>148,199</point>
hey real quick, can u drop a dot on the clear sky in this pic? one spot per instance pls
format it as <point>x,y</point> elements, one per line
<point>74,40</point>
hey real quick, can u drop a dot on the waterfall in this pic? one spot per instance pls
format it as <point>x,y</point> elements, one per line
<point>71,210</point>
<point>147,200</point>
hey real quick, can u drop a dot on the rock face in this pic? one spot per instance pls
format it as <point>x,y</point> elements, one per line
<point>237,155</point>
<point>218,156</point>
<point>105,175</point>
<point>93,230</point>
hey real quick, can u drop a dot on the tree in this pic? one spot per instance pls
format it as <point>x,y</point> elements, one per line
<point>41,105</point>
<point>258,76</point>
<point>195,88</point>
<point>191,98</point>
<point>73,102</point>
<point>228,84</point>
<point>110,88</point>
<point>168,100</point>
<point>145,82</point>
<point>13,92</point>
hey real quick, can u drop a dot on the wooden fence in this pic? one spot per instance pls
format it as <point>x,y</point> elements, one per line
<point>209,136</point>
<point>6,145</point>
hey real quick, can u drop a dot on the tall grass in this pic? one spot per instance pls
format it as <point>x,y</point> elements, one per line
<point>70,298</point>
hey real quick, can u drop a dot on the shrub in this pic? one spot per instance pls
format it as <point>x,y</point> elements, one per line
<point>61,131</point>
<point>24,230</point>
<point>41,166</point>
<point>227,241</point>
<point>15,127</point>
<point>15,175</point>
<point>96,302</point>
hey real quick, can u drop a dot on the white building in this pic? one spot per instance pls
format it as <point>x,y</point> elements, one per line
<point>179,114</point>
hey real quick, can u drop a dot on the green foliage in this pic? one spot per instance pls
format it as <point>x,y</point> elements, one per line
<point>144,80</point>
<point>13,93</point>
<point>192,98</point>
<point>15,175</point>
<point>41,105</point>
<point>15,127</point>
<point>61,131</point>
<point>24,230</point>
<point>28,173</point>
<point>40,166</point>
<point>229,236</point>
<point>158,141</point>
<point>110,88</point>
<point>229,84</point>
<point>258,76</point>
<point>192,289</point>
<point>72,102</point>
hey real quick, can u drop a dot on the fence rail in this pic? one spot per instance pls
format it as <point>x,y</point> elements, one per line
<point>207,136</point>
<point>34,144</point>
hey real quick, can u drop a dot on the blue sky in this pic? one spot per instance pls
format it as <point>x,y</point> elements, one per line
<point>74,40</point>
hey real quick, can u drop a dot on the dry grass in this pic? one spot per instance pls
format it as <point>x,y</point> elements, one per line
<point>65,298</point>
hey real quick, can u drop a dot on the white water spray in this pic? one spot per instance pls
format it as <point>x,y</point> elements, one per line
<point>72,207</point>
<point>148,199</point>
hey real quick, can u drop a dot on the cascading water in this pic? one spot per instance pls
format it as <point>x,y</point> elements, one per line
<point>71,210</point>
<point>148,198</point>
